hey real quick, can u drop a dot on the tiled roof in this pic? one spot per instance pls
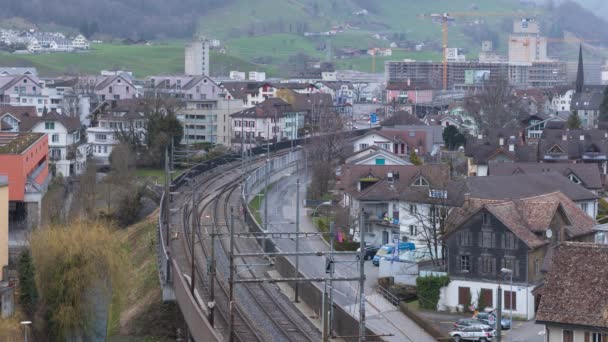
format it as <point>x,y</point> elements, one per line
<point>528,218</point>
<point>588,174</point>
<point>401,188</point>
<point>269,108</point>
<point>240,89</point>
<point>525,185</point>
<point>586,101</point>
<point>26,115</point>
<point>401,118</point>
<point>575,288</point>
<point>594,144</point>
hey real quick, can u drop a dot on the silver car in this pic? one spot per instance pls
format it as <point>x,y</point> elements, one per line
<point>473,333</point>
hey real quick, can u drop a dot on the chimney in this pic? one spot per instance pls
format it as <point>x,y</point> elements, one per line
<point>480,137</point>
<point>564,137</point>
<point>511,147</point>
<point>501,141</point>
<point>582,137</point>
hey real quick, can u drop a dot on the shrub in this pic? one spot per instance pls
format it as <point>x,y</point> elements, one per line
<point>428,289</point>
<point>28,294</point>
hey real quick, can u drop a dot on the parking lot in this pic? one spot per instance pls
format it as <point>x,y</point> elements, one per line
<point>522,331</point>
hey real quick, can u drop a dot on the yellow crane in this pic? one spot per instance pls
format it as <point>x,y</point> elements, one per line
<point>445,18</point>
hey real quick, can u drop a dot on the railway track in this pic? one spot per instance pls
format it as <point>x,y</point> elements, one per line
<point>262,313</point>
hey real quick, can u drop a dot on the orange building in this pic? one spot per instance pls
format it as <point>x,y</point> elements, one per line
<point>24,160</point>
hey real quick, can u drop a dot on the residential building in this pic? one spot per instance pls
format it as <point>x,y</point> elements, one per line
<point>271,120</point>
<point>257,76</point>
<point>109,120</point>
<point>402,201</point>
<point>401,140</point>
<point>530,185</point>
<point>534,125</point>
<point>562,100</point>
<point>8,71</point>
<point>574,146</point>
<point>250,93</point>
<point>197,57</point>
<point>587,106</point>
<point>114,88</point>
<point>586,175</point>
<point>24,160</point>
<point>502,146</point>
<point>408,93</point>
<point>375,155</point>
<point>315,106</point>
<point>486,235</point>
<point>573,300</point>
<point>206,108</point>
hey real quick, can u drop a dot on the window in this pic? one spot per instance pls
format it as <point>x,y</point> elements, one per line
<point>486,219</point>
<point>512,263</point>
<point>363,146</point>
<point>584,206</point>
<point>465,263</point>
<point>438,194</point>
<point>105,149</point>
<point>488,297</point>
<point>488,239</point>
<point>568,336</point>
<point>536,266</point>
<point>110,89</point>
<point>101,137</point>
<point>413,209</point>
<point>420,181</point>
<point>488,265</point>
<point>510,241</point>
<point>55,138</point>
<point>465,238</point>
<point>464,295</point>
<point>510,305</point>
<point>49,125</point>
<point>595,337</point>
<point>413,230</point>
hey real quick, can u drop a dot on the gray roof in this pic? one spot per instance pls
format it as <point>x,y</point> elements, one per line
<point>525,185</point>
<point>593,146</point>
<point>588,174</point>
<point>586,101</point>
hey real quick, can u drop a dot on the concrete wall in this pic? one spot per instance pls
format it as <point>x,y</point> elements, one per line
<point>3,226</point>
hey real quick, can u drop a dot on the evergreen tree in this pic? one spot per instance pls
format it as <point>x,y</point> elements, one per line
<point>414,159</point>
<point>574,121</point>
<point>604,106</point>
<point>28,294</point>
<point>453,138</point>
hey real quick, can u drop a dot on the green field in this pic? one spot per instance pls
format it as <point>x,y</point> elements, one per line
<point>142,60</point>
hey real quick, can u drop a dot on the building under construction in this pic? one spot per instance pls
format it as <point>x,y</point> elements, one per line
<point>472,75</point>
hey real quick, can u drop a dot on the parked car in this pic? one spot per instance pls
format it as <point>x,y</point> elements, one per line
<point>473,333</point>
<point>469,322</point>
<point>370,251</point>
<point>484,317</point>
<point>387,251</point>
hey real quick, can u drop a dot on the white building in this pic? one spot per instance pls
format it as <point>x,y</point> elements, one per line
<point>197,58</point>
<point>237,75</point>
<point>561,101</point>
<point>257,76</point>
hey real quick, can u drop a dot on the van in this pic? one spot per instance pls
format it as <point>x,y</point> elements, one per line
<point>387,251</point>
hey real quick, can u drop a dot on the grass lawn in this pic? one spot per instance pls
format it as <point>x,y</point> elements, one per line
<point>156,174</point>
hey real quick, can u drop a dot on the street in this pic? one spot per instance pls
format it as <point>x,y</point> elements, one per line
<point>381,316</point>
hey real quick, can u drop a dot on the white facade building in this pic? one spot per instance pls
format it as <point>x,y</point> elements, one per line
<point>197,58</point>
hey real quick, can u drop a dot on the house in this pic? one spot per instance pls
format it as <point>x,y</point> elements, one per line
<point>587,106</point>
<point>375,155</point>
<point>561,100</point>
<point>315,106</point>
<point>251,93</point>
<point>502,146</point>
<point>587,175</point>
<point>24,160</point>
<point>486,235</point>
<point>109,120</point>
<point>535,124</point>
<point>67,149</point>
<point>271,120</point>
<point>529,185</point>
<point>114,88</point>
<point>402,201</point>
<point>398,141</point>
<point>402,118</point>
<point>533,100</point>
<point>573,301</point>
<point>401,93</point>
<point>574,146</point>
<point>80,42</point>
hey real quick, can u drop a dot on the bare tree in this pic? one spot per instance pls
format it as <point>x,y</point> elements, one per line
<point>358,88</point>
<point>496,106</point>
<point>325,151</point>
<point>89,189</point>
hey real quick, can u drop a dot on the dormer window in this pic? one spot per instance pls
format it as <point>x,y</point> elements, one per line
<point>556,150</point>
<point>574,179</point>
<point>420,181</point>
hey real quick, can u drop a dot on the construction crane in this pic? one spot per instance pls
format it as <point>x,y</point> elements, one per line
<point>445,18</point>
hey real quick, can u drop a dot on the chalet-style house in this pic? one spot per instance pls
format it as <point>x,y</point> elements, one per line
<point>573,301</point>
<point>375,155</point>
<point>403,201</point>
<point>535,124</point>
<point>575,146</point>
<point>401,140</point>
<point>487,235</point>
<point>502,146</point>
<point>587,175</point>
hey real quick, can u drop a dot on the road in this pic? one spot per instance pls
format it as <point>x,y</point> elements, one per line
<point>381,316</point>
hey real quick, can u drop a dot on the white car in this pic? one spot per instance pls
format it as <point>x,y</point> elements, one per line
<point>473,333</point>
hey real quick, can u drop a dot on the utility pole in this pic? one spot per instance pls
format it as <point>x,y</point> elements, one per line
<point>331,277</point>
<point>324,318</point>
<point>362,277</point>
<point>296,287</point>
<point>499,313</point>
<point>172,165</point>
<point>193,217</point>
<point>231,280</point>
<point>266,175</point>
<point>167,197</point>
<point>211,304</point>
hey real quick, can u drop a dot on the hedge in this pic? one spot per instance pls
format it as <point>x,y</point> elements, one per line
<point>428,289</point>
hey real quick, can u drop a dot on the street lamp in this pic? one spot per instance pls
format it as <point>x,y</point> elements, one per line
<point>320,205</point>
<point>26,325</point>
<point>510,272</point>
